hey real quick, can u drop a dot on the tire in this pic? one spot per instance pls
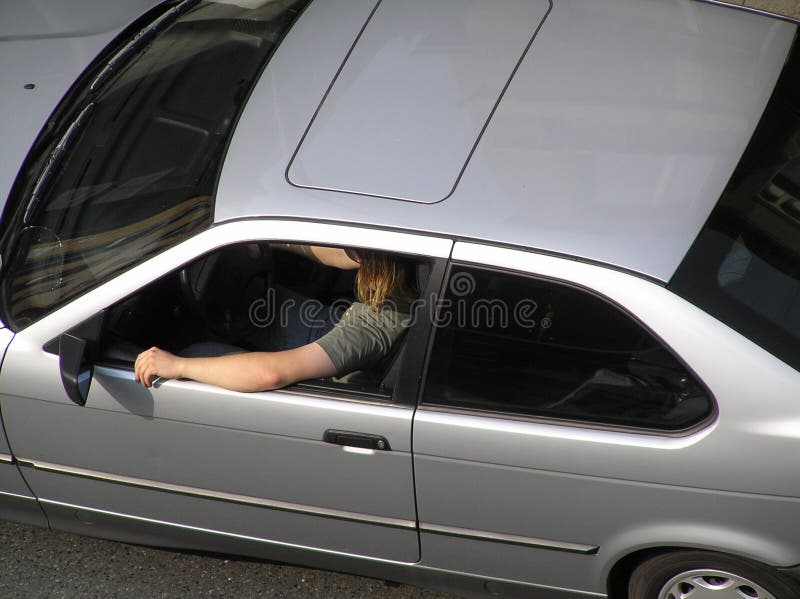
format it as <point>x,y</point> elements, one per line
<point>708,575</point>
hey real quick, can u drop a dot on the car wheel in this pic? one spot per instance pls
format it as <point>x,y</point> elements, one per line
<point>707,575</point>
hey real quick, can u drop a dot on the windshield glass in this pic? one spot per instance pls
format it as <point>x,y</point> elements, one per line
<point>744,267</point>
<point>133,166</point>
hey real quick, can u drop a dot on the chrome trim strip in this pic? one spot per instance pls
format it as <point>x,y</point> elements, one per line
<point>6,459</point>
<point>221,496</point>
<point>497,537</point>
<point>369,558</point>
<point>221,533</point>
<point>17,496</point>
<point>750,9</point>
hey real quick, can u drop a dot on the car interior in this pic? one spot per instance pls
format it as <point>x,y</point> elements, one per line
<point>213,299</point>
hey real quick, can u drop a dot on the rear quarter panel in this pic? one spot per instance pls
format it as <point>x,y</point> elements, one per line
<point>732,485</point>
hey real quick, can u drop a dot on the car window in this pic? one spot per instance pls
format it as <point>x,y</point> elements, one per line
<point>260,297</point>
<point>517,345</point>
<point>744,267</point>
<point>133,163</point>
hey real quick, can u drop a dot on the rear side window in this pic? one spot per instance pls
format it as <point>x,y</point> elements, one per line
<point>521,346</point>
<point>131,166</point>
<point>744,267</point>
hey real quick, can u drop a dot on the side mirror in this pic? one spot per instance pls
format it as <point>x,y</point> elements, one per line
<point>75,350</point>
<point>76,369</point>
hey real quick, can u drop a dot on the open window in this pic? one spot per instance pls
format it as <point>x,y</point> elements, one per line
<point>251,297</point>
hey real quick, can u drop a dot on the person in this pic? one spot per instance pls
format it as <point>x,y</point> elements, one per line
<point>363,336</point>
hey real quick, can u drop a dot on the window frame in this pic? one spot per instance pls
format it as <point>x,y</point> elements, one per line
<point>455,262</point>
<point>80,311</point>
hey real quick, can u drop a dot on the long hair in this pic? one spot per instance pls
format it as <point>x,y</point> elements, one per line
<point>379,278</point>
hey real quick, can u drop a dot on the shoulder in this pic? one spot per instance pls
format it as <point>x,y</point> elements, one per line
<point>363,336</point>
<point>391,315</point>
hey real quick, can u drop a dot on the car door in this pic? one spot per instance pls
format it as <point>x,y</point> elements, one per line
<point>560,428</point>
<point>190,464</point>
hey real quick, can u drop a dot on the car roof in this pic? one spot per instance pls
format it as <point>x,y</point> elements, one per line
<point>47,44</point>
<point>609,138</point>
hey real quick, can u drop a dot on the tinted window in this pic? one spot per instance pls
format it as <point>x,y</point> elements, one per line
<point>744,267</point>
<point>518,345</point>
<point>133,164</point>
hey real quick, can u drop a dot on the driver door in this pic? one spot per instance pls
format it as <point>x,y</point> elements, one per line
<point>188,464</point>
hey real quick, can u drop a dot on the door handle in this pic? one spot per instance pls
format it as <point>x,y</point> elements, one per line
<point>351,439</point>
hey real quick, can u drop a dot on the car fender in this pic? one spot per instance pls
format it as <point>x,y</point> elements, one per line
<point>697,535</point>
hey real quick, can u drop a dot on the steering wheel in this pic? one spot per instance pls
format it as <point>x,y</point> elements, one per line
<point>221,288</point>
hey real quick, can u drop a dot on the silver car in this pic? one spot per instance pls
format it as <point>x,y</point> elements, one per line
<point>597,205</point>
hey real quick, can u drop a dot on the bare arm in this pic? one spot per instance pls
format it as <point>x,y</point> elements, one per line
<point>329,256</point>
<point>253,371</point>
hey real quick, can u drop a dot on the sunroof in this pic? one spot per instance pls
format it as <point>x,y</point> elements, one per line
<point>405,112</point>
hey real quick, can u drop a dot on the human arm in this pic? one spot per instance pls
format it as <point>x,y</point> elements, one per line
<point>251,371</point>
<point>329,256</point>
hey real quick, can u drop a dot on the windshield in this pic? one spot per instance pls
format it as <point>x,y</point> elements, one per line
<point>133,164</point>
<point>744,267</point>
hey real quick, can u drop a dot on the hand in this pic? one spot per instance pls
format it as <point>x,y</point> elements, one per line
<point>156,363</point>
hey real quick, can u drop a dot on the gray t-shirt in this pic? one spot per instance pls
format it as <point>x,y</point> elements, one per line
<point>362,337</point>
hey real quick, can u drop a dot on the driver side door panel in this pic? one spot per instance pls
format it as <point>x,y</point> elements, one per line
<point>236,467</point>
<point>253,465</point>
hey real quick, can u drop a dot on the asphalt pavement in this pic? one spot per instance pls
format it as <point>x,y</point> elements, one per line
<point>38,563</point>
